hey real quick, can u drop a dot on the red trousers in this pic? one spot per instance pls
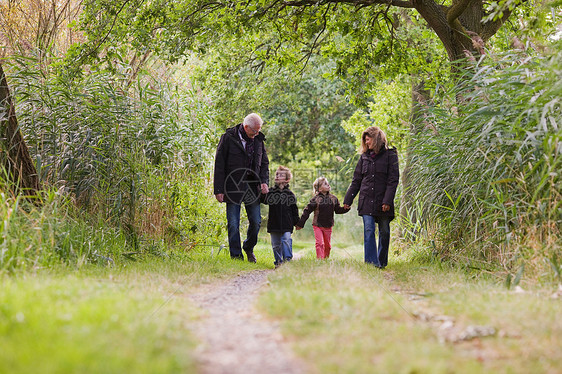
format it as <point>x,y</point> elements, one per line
<point>323,245</point>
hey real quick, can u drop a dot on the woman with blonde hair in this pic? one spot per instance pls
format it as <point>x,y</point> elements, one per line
<point>375,179</point>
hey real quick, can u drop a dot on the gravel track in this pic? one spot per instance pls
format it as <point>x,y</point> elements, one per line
<point>234,337</point>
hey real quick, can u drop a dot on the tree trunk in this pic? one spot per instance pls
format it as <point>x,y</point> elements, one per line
<point>452,35</point>
<point>15,156</point>
<point>460,26</point>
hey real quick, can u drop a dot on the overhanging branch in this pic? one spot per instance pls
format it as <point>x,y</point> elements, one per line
<point>455,11</point>
<point>397,3</point>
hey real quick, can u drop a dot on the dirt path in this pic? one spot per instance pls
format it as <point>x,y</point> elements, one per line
<point>235,337</point>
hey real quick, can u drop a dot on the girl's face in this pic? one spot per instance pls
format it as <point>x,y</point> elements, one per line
<point>281,176</point>
<point>369,142</point>
<point>324,187</point>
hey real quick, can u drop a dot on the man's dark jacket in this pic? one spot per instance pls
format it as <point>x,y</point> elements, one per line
<point>283,210</point>
<point>235,175</point>
<point>375,179</point>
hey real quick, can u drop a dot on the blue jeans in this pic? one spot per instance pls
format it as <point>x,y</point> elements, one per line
<point>372,255</point>
<point>233,221</point>
<point>282,245</point>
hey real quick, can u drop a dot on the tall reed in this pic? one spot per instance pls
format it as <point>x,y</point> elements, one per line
<point>486,163</point>
<point>135,158</point>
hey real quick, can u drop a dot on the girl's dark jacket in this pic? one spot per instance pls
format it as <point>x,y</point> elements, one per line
<point>324,207</point>
<point>376,179</point>
<point>235,175</point>
<point>283,211</point>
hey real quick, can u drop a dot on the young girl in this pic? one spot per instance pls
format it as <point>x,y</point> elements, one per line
<point>283,215</point>
<point>324,205</point>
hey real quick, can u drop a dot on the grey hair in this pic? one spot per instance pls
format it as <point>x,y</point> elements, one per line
<point>253,120</point>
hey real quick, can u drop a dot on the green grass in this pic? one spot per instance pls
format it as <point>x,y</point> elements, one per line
<point>339,315</point>
<point>130,318</point>
<point>344,316</point>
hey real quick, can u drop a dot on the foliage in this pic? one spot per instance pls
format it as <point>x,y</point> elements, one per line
<point>388,109</point>
<point>532,27</point>
<point>34,27</point>
<point>33,237</point>
<point>116,150</point>
<point>364,43</point>
<point>302,112</point>
<point>488,172</point>
<point>306,120</point>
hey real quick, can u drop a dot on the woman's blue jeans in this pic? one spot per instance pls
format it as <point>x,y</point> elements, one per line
<point>377,257</point>
<point>282,245</point>
<point>233,221</point>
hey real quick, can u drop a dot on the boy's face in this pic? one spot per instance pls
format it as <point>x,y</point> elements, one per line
<point>324,187</point>
<point>281,176</point>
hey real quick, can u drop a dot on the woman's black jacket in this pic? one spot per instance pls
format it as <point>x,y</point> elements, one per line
<point>235,175</point>
<point>375,179</point>
<point>283,210</point>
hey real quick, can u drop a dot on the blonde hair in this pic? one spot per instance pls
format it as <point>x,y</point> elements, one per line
<point>288,173</point>
<point>317,183</point>
<point>377,135</point>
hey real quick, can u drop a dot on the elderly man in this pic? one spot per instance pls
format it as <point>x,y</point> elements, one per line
<point>241,174</point>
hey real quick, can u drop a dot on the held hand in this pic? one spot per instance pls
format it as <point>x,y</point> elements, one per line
<point>298,228</point>
<point>346,206</point>
<point>220,197</point>
<point>385,207</point>
<point>264,188</point>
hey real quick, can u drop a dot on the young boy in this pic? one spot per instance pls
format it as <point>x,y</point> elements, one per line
<point>283,215</point>
<point>324,205</point>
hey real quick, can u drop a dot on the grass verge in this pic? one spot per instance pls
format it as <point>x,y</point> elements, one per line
<point>344,316</point>
<point>133,317</point>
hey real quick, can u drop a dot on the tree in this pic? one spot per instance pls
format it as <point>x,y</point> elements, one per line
<point>171,26</point>
<point>15,154</point>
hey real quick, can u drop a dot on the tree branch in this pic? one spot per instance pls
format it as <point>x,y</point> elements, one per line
<point>455,11</point>
<point>490,28</point>
<point>314,44</point>
<point>397,3</point>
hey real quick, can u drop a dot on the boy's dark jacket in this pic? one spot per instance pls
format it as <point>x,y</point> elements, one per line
<point>375,179</point>
<point>324,207</point>
<point>232,175</point>
<point>283,211</point>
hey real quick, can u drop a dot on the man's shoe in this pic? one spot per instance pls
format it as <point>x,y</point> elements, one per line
<point>237,257</point>
<point>251,257</point>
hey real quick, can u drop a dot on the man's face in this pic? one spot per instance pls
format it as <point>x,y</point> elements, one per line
<point>252,132</point>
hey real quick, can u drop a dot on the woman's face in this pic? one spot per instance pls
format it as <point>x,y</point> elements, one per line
<point>369,142</point>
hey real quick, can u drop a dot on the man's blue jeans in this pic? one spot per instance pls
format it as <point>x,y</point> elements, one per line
<point>282,245</point>
<point>372,255</point>
<point>233,221</point>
